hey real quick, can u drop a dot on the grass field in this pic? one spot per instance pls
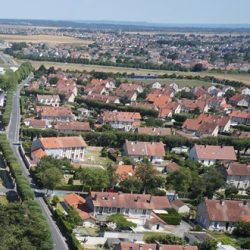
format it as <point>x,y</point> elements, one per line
<point>245,78</point>
<point>44,39</point>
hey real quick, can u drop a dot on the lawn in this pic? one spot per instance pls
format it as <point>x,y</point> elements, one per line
<point>151,234</point>
<point>245,78</point>
<point>93,158</point>
<point>3,200</point>
<point>225,239</point>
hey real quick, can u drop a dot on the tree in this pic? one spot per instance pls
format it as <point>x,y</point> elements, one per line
<point>180,180</point>
<point>208,245</point>
<point>93,179</point>
<point>121,222</point>
<point>198,67</point>
<point>213,180</point>
<point>51,177</point>
<point>73,217</point>
<point>230,191</point>
<point>131,185</point>
<point>149,177</point>
<point>242,229</point>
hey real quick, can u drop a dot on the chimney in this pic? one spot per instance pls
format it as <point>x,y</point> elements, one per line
<point>245,202</point>
<point>150,198</point>
<point>222,202</point>
<point>140,246</point>
<point>95,197</point>
<point>158,245</point>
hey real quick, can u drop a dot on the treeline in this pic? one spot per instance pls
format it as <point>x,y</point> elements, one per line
<point>9,83</point>
<point>117,138</point>
<point>33,211</point>
<point>124,63</point>
<point>112,106</point>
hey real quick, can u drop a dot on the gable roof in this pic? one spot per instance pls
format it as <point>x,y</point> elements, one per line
<point>54,111</point>
<point>125,200</point>
<point>109,116</point>
<point>144,148</point>
<point>237,169</point>
<point>125,171</point>
<point>62,142</point>
<point>72,125</point>
<point>210,152</point>
<point>227,210</point>
<point>154,131</point>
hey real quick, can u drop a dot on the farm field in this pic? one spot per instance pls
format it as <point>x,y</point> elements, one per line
<point>44,39</point>
<point>245,78</point>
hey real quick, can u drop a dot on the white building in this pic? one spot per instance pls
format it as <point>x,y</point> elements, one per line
<point>222,215</point>
<point>50,100</point>
<point>138,150</point>
<point>238,175</point>
<point>72,148</point>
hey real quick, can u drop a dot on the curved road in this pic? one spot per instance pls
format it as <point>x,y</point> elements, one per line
<point>13,136</point>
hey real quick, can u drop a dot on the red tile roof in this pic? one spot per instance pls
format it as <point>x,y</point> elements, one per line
<point>109,116</point>
<point>36,123</point>
<point>72,126</point>
<point>228,210</point>
<point>139,148</point>
<point>74,200</point>
<point>154,131</point>
<point>208,152</point>
<point>49,111</point>
<point>125,171</point>
<point>240,114</point>
<point>63,142</point>
<point>237,169</point>
<point>133,201</point>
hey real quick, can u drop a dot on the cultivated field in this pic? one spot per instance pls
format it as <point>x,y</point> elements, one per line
<point>44,39</point>
<point>245,78</point>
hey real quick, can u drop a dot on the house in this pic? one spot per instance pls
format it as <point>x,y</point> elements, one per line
<point>51,114</point>
<point>103,98</point>
<point>108,83</point>
<point>239,100</point>
<point>158,100</point>
<point>35,123</point>
<point>222,215</point>
<point>245,91</point>
<point>121,120</point>
<point>78,203</point>
<point>136,206</point>
<point>72,126</point>
<point>125,171</point>
<point>72,147</point>
<point>180,207</point>
<point>172,167</point>
<point>2,98</point>
<point>207,125</point>
<point>50,100</point>
<point>128,90</point>
<point>156,85</point>
<point>129,245</point>
<point>191,105</point>
<point>210,155</point>
<point>238,175</point>
<point>84,113</point>
<point>92,89</point>
<point>240,117</point>
<point>137,150</point>
<point>67,88</point>
<point>154,131</point>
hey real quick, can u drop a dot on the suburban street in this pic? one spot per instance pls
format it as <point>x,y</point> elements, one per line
<point>13,136</point>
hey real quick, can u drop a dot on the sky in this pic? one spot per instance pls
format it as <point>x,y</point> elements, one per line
<point>153,11</point>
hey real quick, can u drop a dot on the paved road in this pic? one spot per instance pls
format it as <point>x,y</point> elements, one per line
<point>13,136</point>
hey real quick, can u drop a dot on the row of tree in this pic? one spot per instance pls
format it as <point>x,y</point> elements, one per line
<point>35,226</point>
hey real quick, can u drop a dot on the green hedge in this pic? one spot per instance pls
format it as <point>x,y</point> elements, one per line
<point>172,218</point>
<point>66,229</point>
<point>113,106</point>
